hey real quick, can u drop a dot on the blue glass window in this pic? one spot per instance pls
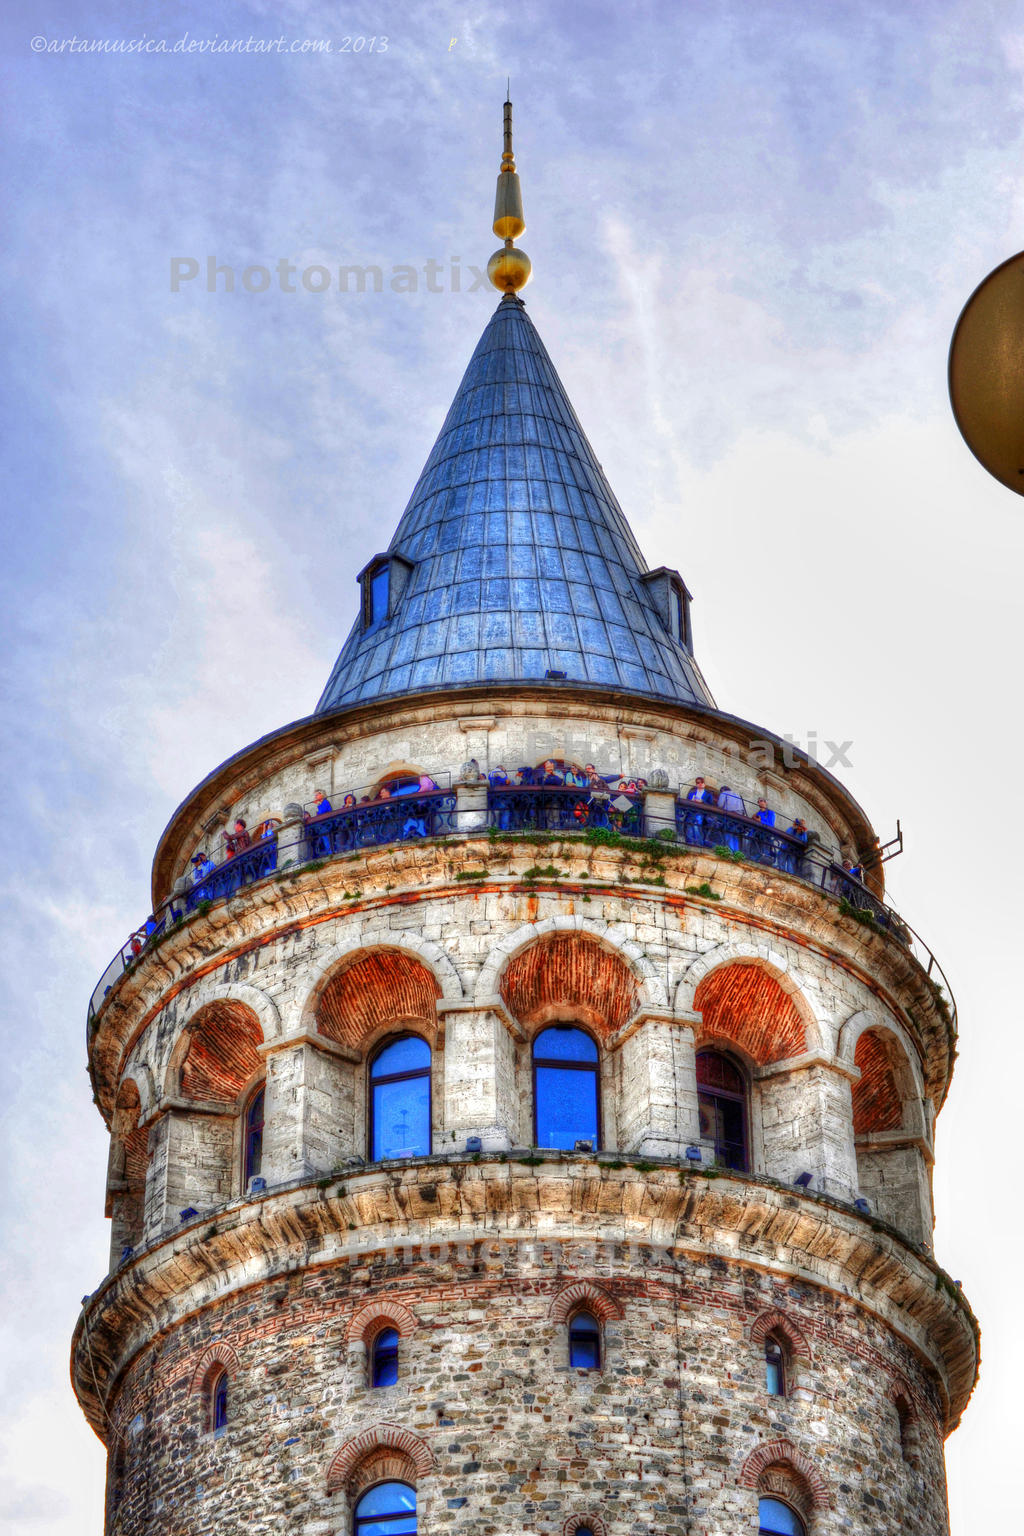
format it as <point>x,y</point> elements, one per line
<point>384,1358</point>
<point>400,1100</point>
<point>565,1087</point>
<point>777,1519</point>
<point>585,1342</point>
<point>380,588</point>
<point>774,1367</point>
<point>219,1402</point>
<point>253,1159</point>
<point>387,1510</point>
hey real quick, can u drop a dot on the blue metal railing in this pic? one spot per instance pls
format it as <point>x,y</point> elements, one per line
<point>726,834</point>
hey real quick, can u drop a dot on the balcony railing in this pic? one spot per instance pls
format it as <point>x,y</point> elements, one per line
<point>539,809</point>
<point>404,818</point>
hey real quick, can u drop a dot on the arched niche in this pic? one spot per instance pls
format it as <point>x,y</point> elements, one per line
<point>889,1132</point>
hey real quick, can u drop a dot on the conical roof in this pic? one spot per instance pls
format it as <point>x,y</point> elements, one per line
<point>513,558</point>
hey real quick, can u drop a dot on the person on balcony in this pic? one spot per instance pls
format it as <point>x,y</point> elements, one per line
<point>798,829</point>
<point>551,778</point>
<point>426,784</point>
<point>202,865</point>
<point>323,806</point>
<point>729,800</point>
<point>238,840</point>
<point>763,814</point>
<point>693,822</point>
<point>575,778</point>
<point>348,803</point>
<point>267,828</point>
<point>497,778</point>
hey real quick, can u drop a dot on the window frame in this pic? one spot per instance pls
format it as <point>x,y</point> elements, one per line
<point>774,1342</point>
<point>729,1096</point>
<point>772,1498</point>
<point>360,1522</point>
<point>570,1066</point>
<point>257,1094</point>
<point>397,1077</point>
<point>218,1401</point>
<point>375,1355</point>
<point>596,1333</point>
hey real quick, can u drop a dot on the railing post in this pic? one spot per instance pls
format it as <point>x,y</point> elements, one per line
<point>471,798</point>
<point>291,837</point>
<point>659,812</point>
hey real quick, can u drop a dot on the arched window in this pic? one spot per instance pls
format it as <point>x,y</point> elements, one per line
<point>585,1342</point>
<point>389,1509</point>
<point>774,1366</point>
<point>400,1099</point>
<point>219,1401</point>
<point>777,1519</point>
<point>252,1152</point>
<point>565,1095</point>
<point>722,1106</point>
<point>384,1358</point>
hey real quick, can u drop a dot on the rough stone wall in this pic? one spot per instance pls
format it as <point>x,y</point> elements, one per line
<point>659,1440</point>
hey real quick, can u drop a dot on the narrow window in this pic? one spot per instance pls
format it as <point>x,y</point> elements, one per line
<point>722,1107</point>
<point>384,1358</point>
<point>387,1510</point>
<point>400,1100</point>
<point>219,1401</point>
<point>585,1342</point>
<point>253,1150</point>
<point>777,1519</point>
<point>774,1367</point>
<point>377,596</point>
<point>565,1094</point>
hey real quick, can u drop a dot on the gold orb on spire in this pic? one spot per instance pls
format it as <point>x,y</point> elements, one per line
<point>508,269</point>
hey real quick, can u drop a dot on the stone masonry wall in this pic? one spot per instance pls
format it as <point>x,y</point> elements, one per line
<point>659,1440</point>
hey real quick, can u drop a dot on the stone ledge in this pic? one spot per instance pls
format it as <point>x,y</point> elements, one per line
<point>521,1198</point>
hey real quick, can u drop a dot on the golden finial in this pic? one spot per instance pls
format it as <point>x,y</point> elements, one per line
<point>508,269</point>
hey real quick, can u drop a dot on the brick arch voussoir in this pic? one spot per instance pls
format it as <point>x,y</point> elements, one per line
<point>436,960</point>
<point>816,1028</point>
<point>217,1355</point>
<point>862,1023</point>
<point>346,1462</point>
<point>775,1321</point>
<point>374,1315</point>
<point>263,1007</point>
<point>584,1296</point>
<point>783,1452</point>
<point>588,1522</point>
<point>650,987</point>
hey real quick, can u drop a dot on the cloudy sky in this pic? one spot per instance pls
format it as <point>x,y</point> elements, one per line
<point>753,225</point>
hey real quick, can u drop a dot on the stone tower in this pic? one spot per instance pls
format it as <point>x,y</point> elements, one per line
<point>524,1122</point>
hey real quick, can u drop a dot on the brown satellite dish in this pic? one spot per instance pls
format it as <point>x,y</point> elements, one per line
<point>986,373</point>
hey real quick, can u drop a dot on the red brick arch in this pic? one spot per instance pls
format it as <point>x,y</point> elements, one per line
<point>584,1296</point>
<point>218,1355</point>
<point>220,1055</point>
<point>781,1453</point>
<point>777,1322</point>
<point>588,1522</point>
<point>746,1004</point>
<point>566,975</point>
<point>376,988</point>
<point>369,1320</point>
<point>345,1465</point>
<point>877,1101</point>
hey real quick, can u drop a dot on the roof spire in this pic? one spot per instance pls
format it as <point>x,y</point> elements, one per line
<point>508,269</point>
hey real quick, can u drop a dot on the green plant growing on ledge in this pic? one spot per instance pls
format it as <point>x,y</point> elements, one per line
<point>703,890</point>
<point>471,874</point>
<point>543,872</point>
<point>733,855</point>
<point>204,907</point>
<point>666,835</point>
<point>859,914</point>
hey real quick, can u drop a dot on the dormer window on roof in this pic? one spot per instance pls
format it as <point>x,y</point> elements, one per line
<point>383,581</point>
<point>672,600</point>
